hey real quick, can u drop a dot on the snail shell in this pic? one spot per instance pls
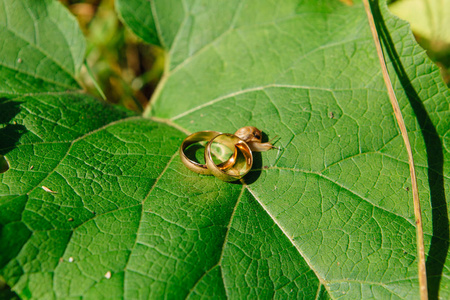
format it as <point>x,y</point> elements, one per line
<point>253,136</point>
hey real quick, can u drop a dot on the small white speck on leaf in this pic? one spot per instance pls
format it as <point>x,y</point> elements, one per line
<point>71,259</point>
<point>48,190</point>
<point>108,275</point>
<point>19,60</point>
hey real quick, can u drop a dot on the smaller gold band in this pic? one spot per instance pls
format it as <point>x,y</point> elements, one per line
<point>242,158</point>
<point>200,136</point>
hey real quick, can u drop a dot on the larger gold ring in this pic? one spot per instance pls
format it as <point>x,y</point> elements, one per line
<point>242,158</point>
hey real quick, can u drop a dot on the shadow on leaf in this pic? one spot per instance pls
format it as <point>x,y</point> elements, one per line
<point>9,136</point>
<point>9,133</point>
<point>5,291</point>
<point>439,246</point>
<point>255,173</point>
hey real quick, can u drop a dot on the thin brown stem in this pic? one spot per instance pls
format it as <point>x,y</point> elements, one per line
<point>402,126</point>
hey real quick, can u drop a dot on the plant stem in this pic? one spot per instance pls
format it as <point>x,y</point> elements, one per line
<point>96,85</point>
<point>401,123</point>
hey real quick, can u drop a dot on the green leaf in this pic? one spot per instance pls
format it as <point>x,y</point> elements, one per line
<point>429,19</point>
<point>42,47</point>
<point>96,203</point>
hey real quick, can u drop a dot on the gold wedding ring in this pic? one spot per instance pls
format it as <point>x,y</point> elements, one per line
<point>242,159</point>
<point>200,136</point>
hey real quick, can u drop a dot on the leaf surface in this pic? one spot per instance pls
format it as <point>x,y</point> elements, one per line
<point>329,215</point>
<point>43,47</point>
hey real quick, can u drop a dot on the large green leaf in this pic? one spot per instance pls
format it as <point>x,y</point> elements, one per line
<point>329,215</point>
<point>42,47</point>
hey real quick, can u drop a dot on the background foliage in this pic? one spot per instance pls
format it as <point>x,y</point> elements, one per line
<point>128,70</point>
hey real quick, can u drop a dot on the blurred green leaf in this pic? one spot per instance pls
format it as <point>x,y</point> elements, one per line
<point>428,18</point>
<point>429,21</point>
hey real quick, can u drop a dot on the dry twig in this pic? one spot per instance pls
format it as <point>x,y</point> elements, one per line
<point>401,124</point>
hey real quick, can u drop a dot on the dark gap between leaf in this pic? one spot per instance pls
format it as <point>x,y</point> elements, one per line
<point>439,246</point>
<point>9,133</point>
<point>4,165</point>
<point>5,291</point>
<point>13,234</point>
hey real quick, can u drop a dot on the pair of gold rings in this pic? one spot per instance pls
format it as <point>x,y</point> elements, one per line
<point>241,143</point>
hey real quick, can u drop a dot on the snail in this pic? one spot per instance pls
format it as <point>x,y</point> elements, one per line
<point>253,137</point>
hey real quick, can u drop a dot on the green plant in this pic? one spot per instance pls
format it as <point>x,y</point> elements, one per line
<point>96,202</point>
